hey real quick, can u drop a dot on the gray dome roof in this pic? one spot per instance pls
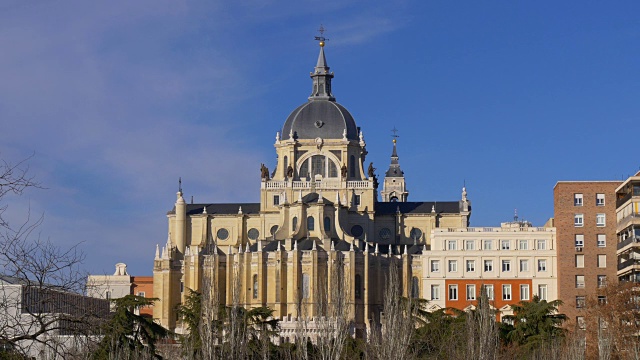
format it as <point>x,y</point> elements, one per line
<point>320,118</point>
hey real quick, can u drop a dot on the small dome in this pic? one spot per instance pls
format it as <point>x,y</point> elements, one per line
<point>320,118</point>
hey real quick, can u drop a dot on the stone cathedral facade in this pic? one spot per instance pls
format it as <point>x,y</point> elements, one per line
<point>317,210</point>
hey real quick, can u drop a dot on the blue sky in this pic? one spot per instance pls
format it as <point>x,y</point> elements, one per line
<point>116,100</point>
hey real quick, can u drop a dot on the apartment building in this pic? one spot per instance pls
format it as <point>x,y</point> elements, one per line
<point>513,262</point>
<point>584,217</point>
<point>628,229</point>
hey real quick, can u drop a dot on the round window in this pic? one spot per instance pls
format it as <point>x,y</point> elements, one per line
<point>273,230</point>
<point>356,231</point>
<point>385,234</point>
<point>253,234</point>
<point>415,233</point>
<point>222,234</point>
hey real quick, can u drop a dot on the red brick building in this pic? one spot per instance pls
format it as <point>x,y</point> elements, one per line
<point>585,221</point>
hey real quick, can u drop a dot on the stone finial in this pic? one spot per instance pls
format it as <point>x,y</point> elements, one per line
<point>240,250</point>
<point>320,198</point>
<point>248,249</point>
<point>406,249</point>
<point>351,249</point>
<point>204,209</point>
<point>295,244</point>
<point>164,253</point>
<point>291,135</point>
<point>300,196</point>
<point>424,249</point>
<point>433,208</point>
<point>333,246</point>
<point>464,193</point>
<point>344,134</point>
<point>259,246</point>
<point>277,136</point>
<point>157,252</point>
<point>314,245</point>
<point>377,251</point>
<point>240,210</point>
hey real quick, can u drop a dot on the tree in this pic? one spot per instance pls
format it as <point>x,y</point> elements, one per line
<point>482,334</point>
<point>41,284</point>
<point>128,332</point>
<point>534,323</point>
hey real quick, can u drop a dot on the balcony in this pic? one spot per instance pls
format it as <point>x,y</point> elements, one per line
<point>628,241</point>
<point>628,263</point>
<point>326,184</point>
<point>627,221</point>
<point>623,200</point>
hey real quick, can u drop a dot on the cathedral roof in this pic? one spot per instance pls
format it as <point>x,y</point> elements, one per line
<point>417,207</point>
<point>321,116</point>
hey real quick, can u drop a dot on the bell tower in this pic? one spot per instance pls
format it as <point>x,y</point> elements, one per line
<point>394,187</point>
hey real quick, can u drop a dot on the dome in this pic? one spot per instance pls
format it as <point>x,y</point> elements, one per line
<point>320,119</point>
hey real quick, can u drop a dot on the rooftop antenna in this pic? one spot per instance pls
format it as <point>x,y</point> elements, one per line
<point>180,184</point>
<point>515,215</point>
<point>321,38</point>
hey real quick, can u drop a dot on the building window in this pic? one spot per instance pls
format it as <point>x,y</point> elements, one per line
<point>523,245</point>
<point>602,281</point>
<point>415,289</point>
<point>306,286</point>
<point>489,290</point>
<point>602,240</point>
<point>581,301</point>
<point>579,281</point>
<point>542,244</point>
<point>599,199</point>
<point>542,265</point>
<point>506,265</point>
<point>181,286</point>
<point>602,300</point>
<point>255,286</point>
<point>327,224</point>
<point>579,240</point>
<point>577,200</point>
<point>435,265</point>
<point>352,166</point>
<point>524,265</point>
<point>107,295</point>
<point>310,223</point>
<point>488,265</point>
<point>488,245</point>
<point>435,292</point>
<point>294,223</point>
<point>471,292</point>
<point>357,231</point>
<point>505,245</point>
<point>601,220</point>
<point>524,292</point>
<point>453,265</point>
<point>469,245</point>
<point>578,220</point>
<point>542,292</point>
<point>602,261</point>
<point>141,293</point>
<point>579,261</point>
<point>276,200</point>
<point>356,200</point>
<point>452,245</point>
<point>358,285</point>
<point>471,265</point>
<point>581,323</point>
<point>506,292</point>
<point>453,292</point>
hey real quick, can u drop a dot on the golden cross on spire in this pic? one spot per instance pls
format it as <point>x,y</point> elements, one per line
<point>321,38</point>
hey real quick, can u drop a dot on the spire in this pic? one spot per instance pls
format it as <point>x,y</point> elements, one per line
<point>321,76</point>
<point>157,252</point>
<point>394,167</point>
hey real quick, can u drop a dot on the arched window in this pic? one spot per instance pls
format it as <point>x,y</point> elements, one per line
<point>294,223</point>
<point>415,288</point>
<point>327,224</point>
<point>305,286</point>
<point>318,163</point>
<point>358,286</point>
<point>255,286</point>
<point>352,166</point>
<point>310,223</point>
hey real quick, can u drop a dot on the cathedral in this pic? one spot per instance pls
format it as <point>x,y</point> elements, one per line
<point>318,210</point>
